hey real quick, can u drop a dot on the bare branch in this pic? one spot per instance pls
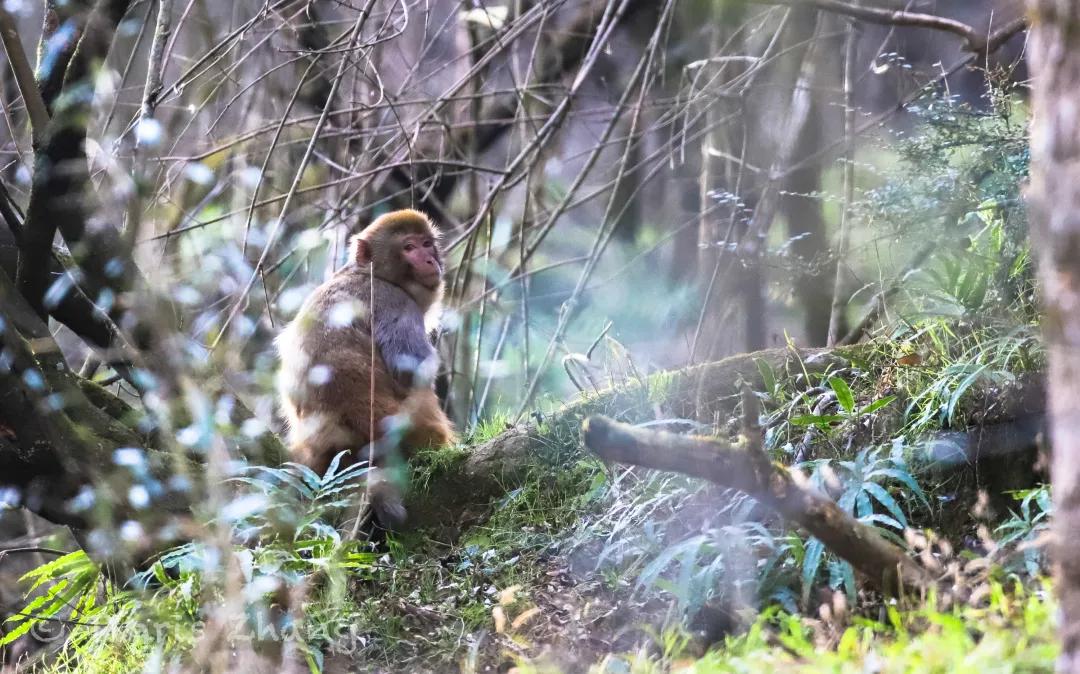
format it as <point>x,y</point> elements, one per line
<point>751,471</point>
<point>162,31</point>
<point>24,77</point>
<point>63,22</point>
<point>974,40</point>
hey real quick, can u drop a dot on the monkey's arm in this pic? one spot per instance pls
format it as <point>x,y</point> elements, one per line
<point>402,340</point>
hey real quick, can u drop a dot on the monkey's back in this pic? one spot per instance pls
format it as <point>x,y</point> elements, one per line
<point>327,369</point>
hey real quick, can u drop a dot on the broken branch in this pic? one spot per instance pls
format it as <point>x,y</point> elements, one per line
<point>885,564</point>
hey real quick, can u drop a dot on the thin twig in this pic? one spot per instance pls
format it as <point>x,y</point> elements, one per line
<point>974,41</point>
<point>239,302</point>
<point>24,78</point>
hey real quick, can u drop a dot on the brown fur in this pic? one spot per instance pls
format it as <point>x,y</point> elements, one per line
<point>326,356</point>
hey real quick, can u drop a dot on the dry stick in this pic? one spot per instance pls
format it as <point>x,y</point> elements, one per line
<point>794,122</point>
<point>993,42</point>
<point>485,279</point>
<point>193,71</point>
<point>239,303</point>
<point>974,41</point>
<point>277,136</point>
<point>494,358</point>
<point>554,121</point>
<point>516,29</point>
<point>849,185</point>
<point>749,470</point>
<point>170,44</point>
<point>521,112</point>
<point>122,85</point>
<point>568,202</point>
<point>24,78</point>
<point>605,29</point>
<point>522,23</point>
<point>766,56</point>
<point>226,76</point>
<point>361,520</point>
<point>10,123</point>
<point>889,17</point>
<point>604,188</point>
<point>750,246</point>
<point>162,29</point>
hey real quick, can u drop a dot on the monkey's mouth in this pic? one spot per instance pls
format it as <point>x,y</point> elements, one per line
<point>430,281</point>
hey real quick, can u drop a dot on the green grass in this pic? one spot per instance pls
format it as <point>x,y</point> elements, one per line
<point>426,603</point>
<point>1010,631</point>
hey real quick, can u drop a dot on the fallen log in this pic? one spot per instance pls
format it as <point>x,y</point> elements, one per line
<point>749,470</point>
<point>457,487</point>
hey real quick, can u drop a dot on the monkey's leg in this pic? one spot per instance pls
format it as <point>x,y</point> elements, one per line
<point>429,426</point>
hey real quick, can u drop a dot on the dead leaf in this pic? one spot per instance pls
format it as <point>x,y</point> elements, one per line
<point>525,617</point>
<point>909,360</point>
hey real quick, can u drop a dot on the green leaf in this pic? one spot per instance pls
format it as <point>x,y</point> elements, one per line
<point>768,377</point>
<point>900,476</point>
<point>73,562</point>
<point>885,498</point>
<point>877,404</point>
<point>649,574</point>
<point>848,574</point>
<point>822,420</point>
<point>16,633</point>
<point>815,549</point>
<point>843,394</point>
<point>965,384</point>
<point>878,518</point>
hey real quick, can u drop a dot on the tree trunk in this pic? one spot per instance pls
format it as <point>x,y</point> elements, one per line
<point>1055,218</point>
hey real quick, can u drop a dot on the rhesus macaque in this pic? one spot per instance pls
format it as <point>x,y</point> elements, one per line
<point>329,369</point>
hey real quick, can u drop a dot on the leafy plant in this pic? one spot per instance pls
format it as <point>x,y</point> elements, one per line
<point>1026,525</point>
<point>867,487</point>
<point>69,587</point>
<point>848,410</point>
<point>281,532</point>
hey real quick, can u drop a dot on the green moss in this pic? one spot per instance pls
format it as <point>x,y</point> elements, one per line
<point>429,464</point>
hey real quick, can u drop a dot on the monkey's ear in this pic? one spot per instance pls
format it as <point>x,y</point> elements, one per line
<point>360,251</point>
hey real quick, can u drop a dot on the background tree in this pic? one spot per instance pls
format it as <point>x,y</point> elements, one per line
<point>1055,199</point>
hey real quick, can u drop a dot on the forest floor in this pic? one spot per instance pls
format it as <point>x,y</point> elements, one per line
<point>575,565</point>
<point>592,567</point>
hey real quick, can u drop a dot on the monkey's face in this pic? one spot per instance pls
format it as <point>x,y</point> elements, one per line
<point>402,247</point>
<point>421,257</point>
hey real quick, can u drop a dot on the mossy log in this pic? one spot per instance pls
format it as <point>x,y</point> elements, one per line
<point>457,487</point>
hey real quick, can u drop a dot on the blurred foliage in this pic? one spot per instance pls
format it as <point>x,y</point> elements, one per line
<point>272,559</point>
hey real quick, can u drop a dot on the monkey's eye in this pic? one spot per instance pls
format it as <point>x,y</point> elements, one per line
<point>409,248</point>
<point>429,243</point>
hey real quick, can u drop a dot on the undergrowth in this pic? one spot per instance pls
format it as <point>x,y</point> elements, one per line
<point>637,571</point>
